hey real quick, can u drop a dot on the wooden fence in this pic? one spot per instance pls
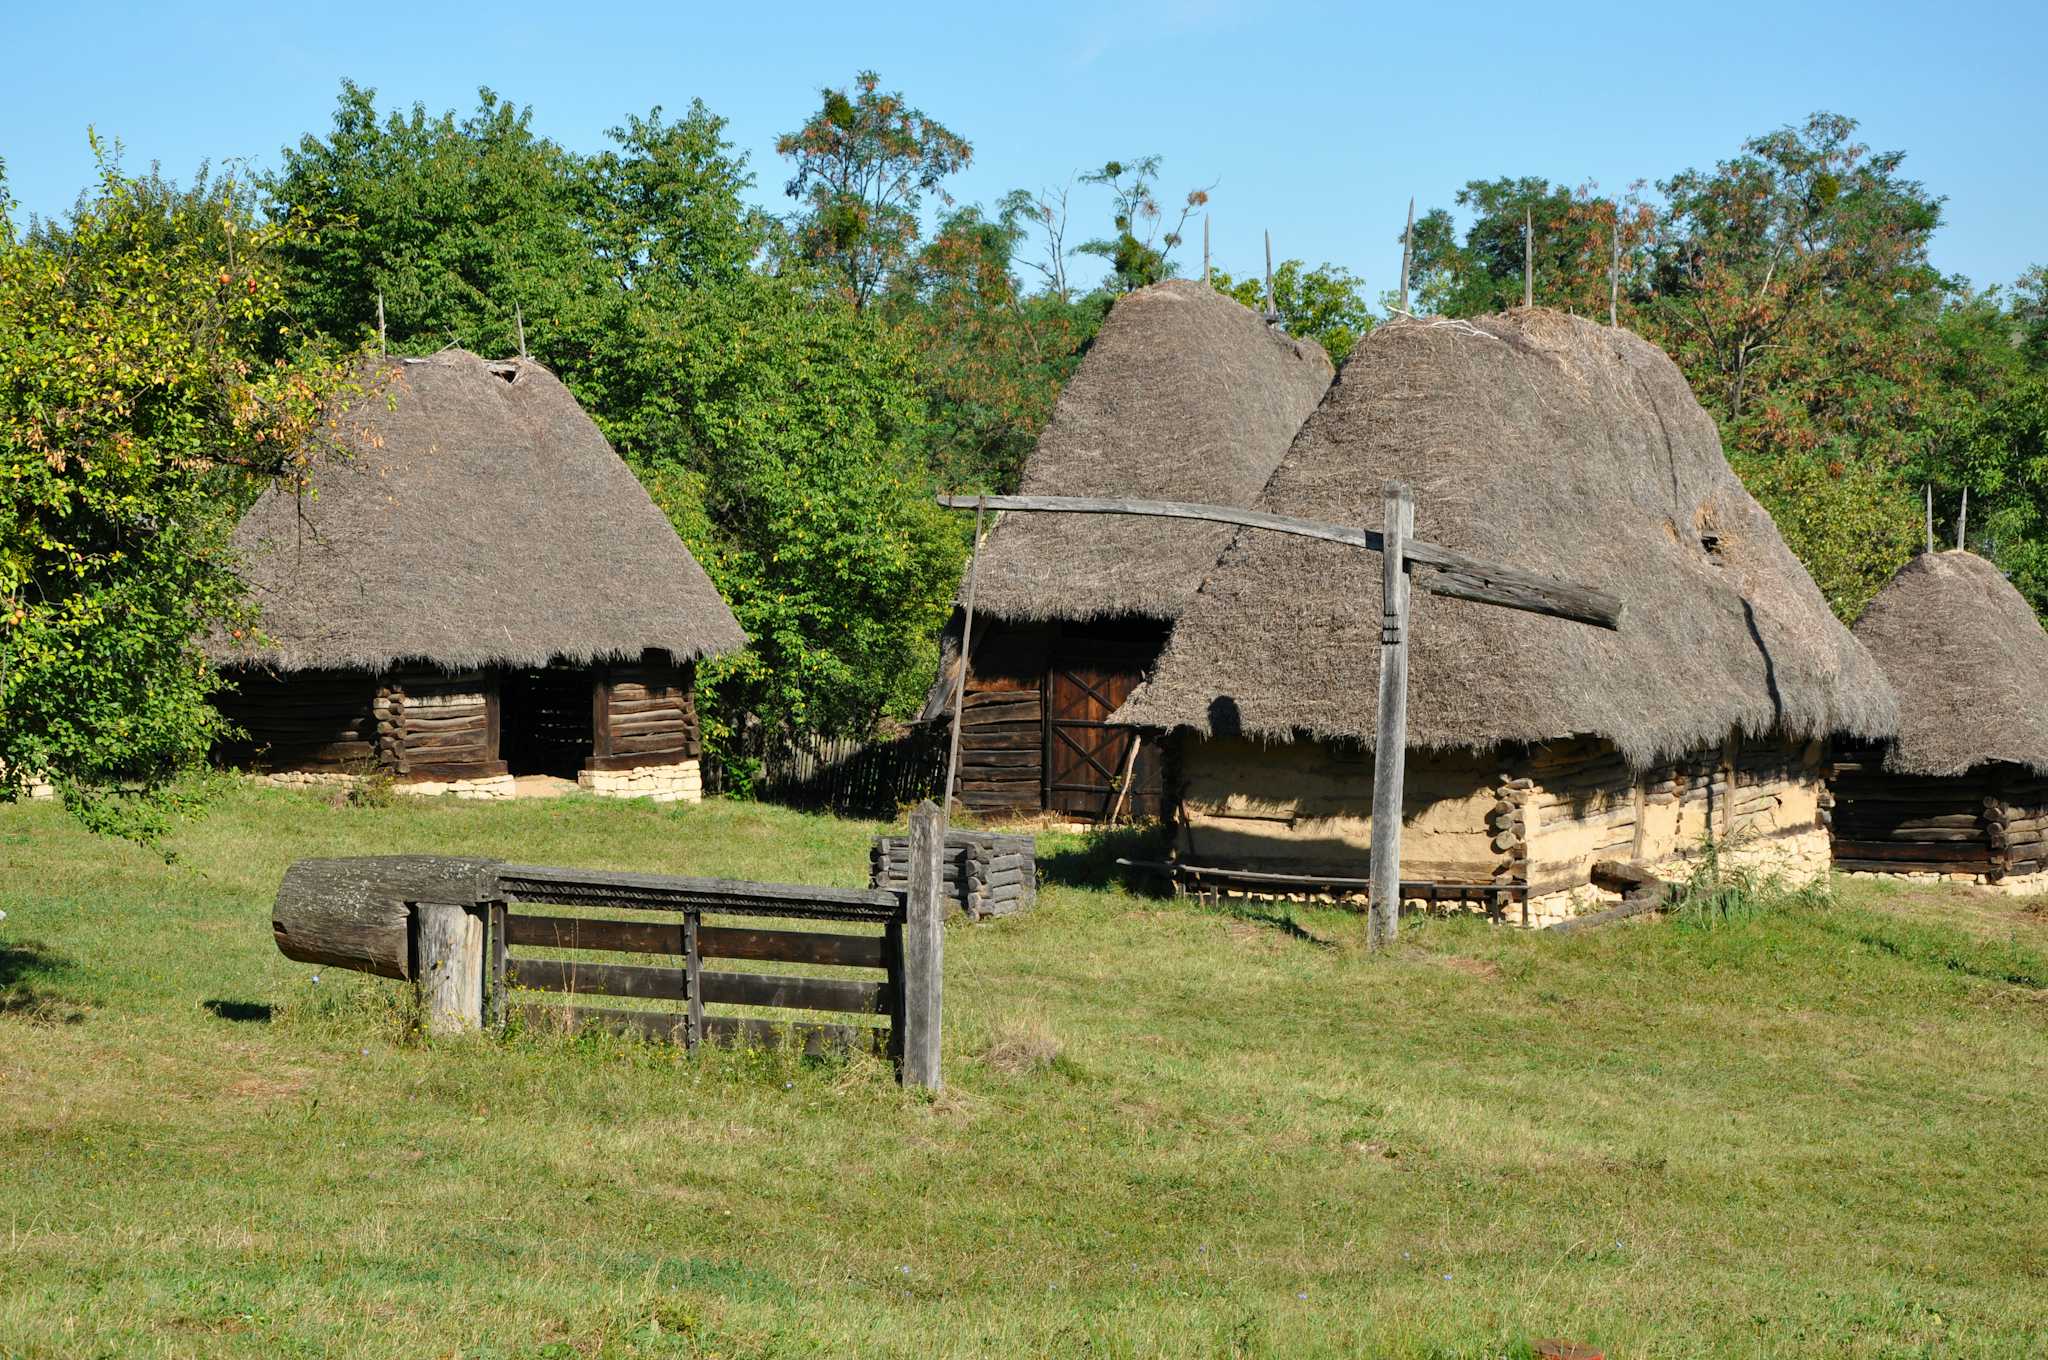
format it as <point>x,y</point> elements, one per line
<point>850,776</point>
<point>434,920</point>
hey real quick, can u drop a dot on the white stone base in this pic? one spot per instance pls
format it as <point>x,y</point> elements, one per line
<point>487,786</point>
<point>305,779</point>
<point>2018,885</point>
<point>678,783</point>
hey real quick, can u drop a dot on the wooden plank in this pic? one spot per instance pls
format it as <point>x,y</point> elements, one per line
<point>599,979</point>
<point>972,739</point>
<point>798,993</point>
<point>693,977</point>
<point>583,932</point>
<point>1898,850</point>
<point>792,946</point>
<point>539,883</point>
<point>1439,570</point>
<point>672,984</point>
<point>601,713</point>
<point>1392,733</point>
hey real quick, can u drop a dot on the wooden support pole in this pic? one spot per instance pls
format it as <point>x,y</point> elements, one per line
<point>519,323</point>
<point>500,982</point>
<point>1963,521</point>
<point>1930,517</point>
<point>1390,752</point>
<point>1528,259</point>
<point>924,950</point>
<point>1614,273</point>
<point>1205,248</point>
<point>1407,252</point>
<point>966,654</point>
<point>383,347</point>
<point>693,980</point>
<point>450,976</point>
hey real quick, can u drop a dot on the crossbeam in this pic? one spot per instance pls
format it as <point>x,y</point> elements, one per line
<point>1436,569</point>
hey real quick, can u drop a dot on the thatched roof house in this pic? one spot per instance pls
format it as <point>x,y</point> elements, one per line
<point>1964,787</point>
<point>478,588</point>
<point>1186,395</point>
<point>1559,446</point>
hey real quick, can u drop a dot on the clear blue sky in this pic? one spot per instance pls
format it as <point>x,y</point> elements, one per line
<point>1315,120</point>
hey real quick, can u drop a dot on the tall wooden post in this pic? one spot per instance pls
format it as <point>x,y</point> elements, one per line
<point>924,950</point>
<point>450,972</point>
<point>519,323</point>
<point>1205,248</point>
<point>1390,754</point>
<point>1271,313</point>
<point>1528,259</point>
<point>960,678</point>
<point>382,346</point>
<point>1930,517</point>
<point>1614,273</point>
<point>1407,251</point>
<point>1963,520</point>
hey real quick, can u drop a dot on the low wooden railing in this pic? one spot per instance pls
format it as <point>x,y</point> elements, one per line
<point>434,920</point>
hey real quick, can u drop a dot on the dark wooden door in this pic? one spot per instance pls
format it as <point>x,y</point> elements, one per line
<point>1085,756</point>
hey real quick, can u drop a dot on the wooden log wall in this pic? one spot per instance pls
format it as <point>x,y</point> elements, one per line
<point>1002,729</point>
<point>1990,822</point>
<point>643,713</point>
<point>983,873</point>
<point>301,720</point>
<point>444,725</point>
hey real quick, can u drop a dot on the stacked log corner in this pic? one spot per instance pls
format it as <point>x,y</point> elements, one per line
<point>982,873</point>
<point>1986,825</point>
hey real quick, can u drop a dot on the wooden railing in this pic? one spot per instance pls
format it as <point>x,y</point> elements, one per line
<point>433,920</point>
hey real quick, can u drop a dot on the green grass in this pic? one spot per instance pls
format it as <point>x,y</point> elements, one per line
<point>1803,1128</point>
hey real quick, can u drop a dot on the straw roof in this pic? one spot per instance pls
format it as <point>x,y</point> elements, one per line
<point>1548,443</point>
<point>479,519</point>
<point>1184,395</point>
<point>1966,656</point>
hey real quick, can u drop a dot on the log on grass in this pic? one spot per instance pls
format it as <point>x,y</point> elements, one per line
<point>356,913</point>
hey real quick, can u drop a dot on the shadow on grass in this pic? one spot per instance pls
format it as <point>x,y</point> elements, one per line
<point>245,1012</point>
<point>1094,863</point>
<point>24,970</point>
<point>1256,911</point>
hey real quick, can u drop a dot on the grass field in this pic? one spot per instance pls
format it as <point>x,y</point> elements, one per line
<point>1819,1130</point>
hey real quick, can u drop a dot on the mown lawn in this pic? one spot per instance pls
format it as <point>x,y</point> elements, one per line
<point>1810,1132</point>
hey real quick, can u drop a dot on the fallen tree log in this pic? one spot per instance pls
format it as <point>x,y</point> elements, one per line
<point>356,913</point>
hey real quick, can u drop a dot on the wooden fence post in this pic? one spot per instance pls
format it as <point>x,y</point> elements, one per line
<point>1390,754</point>
<point>500,982</point>
<point>924,950</point>
<point>451,966</point>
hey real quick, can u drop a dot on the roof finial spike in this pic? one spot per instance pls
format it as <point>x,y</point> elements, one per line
<point>1407,252</point>
<point>1963,520</point>
<point>1528,259</point>
<point>1272,315</point>
<point>519,322</point>
<point>1205,249</point>
<point>1614,274</point>
<point>1930,517</point>
<point>382,346</point>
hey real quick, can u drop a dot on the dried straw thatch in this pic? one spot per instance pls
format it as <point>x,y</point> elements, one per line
<point>1555,445</point>
<point>479,519</point>
<point>1967,658</point>
<point>1184,395</point>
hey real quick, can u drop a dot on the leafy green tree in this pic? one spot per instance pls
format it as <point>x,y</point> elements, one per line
<point>1139,252</point>
<point>864,163</point>
<point>991,359</point>
<point>148,375</point>
<point>1325,304</point>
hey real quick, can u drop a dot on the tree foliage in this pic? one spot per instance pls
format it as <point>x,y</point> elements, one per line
<point>1325,304</point>
<point>148,378</point>
<point>863,165</point>
<point>1139,250</point>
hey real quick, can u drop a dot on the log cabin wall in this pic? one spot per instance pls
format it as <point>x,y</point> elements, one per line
<point>1034,734</point>
<point>646,742</point>
<point>1987,825</point>
<point>306,721</point>
<point>438,725</point>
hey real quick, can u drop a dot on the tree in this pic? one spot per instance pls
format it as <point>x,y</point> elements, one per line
<point>864,162</point>
<point>991,360</point>
<point>1325,304</point>
<point>1139,253</point>
<point>1573,263</point>
<point>149,380</point>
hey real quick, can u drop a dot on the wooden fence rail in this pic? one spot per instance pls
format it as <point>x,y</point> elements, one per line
<point>433,920</point>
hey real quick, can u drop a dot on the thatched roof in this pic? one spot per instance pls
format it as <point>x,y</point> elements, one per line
<point>479,518</point>
<point>1543,442</point>
<point>1185,395</point>
<point>1968,660</point>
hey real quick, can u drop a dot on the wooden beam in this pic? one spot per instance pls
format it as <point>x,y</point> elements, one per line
<point>924,950</point>
<point>960,676</point>
<point>1438,570</point>
<point>1390,751</point>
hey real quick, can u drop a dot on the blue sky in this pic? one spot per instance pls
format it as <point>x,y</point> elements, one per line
<point>1316,121</point>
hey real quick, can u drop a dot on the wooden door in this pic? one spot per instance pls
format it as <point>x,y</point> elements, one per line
<point>1085,756</point>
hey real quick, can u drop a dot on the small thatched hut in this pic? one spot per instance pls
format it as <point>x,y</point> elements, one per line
<point>478,589</point>
<point>1537,747</point>
<point>1184,395</point>
<point>1963,791</point>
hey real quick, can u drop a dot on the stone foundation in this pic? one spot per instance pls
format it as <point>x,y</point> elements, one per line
<point>1793,857</point>
<point>678,783</point>
<point>2016,885</point>
<point>305,779</point>
<point>488,787</point>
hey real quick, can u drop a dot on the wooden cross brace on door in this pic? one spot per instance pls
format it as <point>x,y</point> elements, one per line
<point>1407,562</point>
